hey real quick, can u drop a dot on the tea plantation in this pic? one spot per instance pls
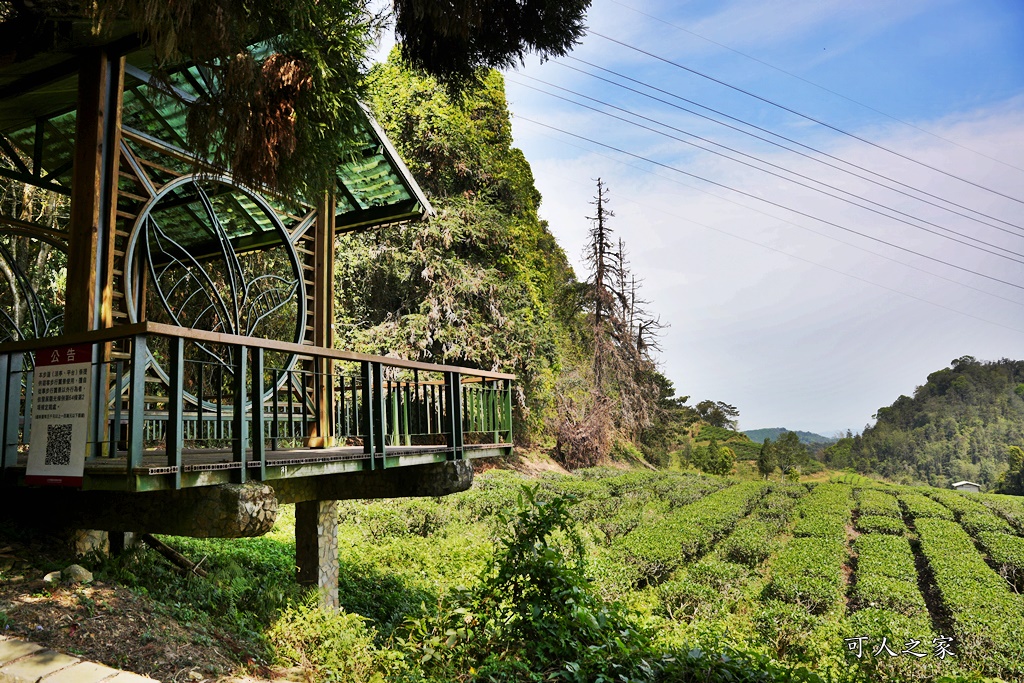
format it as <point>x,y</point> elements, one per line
<point>643,576</point>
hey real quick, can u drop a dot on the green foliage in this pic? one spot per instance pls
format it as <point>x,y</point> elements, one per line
<point>1010,508</point>
<point>887,576</point>
<point>751,542</point>
<point>808,573</point>
<point>957,425</point>
<point>713,458</point>
<point>874,502</point>
<point>919,506</point>
<point>878,524</point>
<point>534,614</point>
<point>766,460</point>
<point>483,283</point>
<point>657,548</point>
<point>455,40</point>
<point>985,614</point>
<point>1007,554</point>
<point>329,646</point>
<point>825,512</point>
<point>898,629</point>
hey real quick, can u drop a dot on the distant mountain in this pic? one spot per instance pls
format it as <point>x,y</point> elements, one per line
<point>809,438</point>
<point>957,425</point>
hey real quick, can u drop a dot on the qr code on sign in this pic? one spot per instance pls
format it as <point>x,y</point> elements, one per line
<point>58,444</point>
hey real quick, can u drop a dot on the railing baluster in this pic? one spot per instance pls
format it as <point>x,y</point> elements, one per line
<point>115,442</point>
<point>508,409</point>
<point>291,405</point>
<point>405,415</point>
<point>275,430</point>
<point>378,399</point>
<point>6,400</point>
<point>175,406</point>
<point>453,417</point>
<point>239,432</point>
<point>200,434</point>
<point>259,450</point>
<point>136,407</point>
<point>219,427</point>
<point>368,410</point>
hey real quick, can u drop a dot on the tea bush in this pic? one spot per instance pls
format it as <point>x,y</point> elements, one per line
<point>875,502</point>
<point>920,506</point>
<point>1007,553</point>
<point>872,524</point>
<point>986,615</point>
<point>886,575</point>
<point>808,573</point>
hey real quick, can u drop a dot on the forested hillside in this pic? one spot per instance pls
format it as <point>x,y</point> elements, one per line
<point>484,283</point>
<point>960,424</point>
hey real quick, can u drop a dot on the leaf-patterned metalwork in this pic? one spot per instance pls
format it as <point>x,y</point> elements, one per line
<point>210,255</point>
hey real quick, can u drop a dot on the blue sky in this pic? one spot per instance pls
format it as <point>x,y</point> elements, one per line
<point>797,322</point>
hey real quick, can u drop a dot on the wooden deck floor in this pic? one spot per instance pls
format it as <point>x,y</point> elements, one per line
<point>206,460</point>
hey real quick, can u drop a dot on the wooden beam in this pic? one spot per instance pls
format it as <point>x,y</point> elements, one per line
<point>89,300</point>
<point>323,320</point>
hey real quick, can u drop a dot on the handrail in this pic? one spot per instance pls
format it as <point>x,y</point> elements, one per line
<point>160,329</point>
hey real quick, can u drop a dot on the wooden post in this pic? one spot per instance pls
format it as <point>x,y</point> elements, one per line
<point>89,298</point>
<point>322,435</point>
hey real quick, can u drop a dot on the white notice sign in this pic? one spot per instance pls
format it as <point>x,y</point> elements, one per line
<point>60,416</point>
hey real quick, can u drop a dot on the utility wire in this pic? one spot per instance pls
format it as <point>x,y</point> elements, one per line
<point>795,225</point>
<point>772,203</point>
<point>772,173</point>
<point>804,116</point>
<point>789,149</point>
<point>816,85</point>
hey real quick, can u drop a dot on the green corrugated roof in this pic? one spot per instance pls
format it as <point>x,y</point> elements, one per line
<point>374,187</point>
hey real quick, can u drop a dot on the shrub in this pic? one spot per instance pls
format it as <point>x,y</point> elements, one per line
<point>986,615</point>
<point>751,542</point>
<point>808,572</point>
<point>872,524</point>
<point>821,526</point>
<point>656,549</point>
<point>328,646</point>
<point>887,576</point>
<point>920,506</point>
<point>534,613</point>
<point>1010,508</point>
<point>898,629</point>
<point>787,629</point>
<point>1007,553</point>
<point>874,502</point>
<point>979,522</point>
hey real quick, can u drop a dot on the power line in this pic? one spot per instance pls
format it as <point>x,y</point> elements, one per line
<point>772,203</point>
<point>815,263</point>
<point>795,225</point>
<point>804,116</point>
<point>777,175</point>
<point>817,85</point>
<point>787,139</point>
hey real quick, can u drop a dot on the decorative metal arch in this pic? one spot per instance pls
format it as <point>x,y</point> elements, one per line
<point>212,290</point>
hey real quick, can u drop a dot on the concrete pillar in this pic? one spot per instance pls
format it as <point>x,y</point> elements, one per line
<point>316,548</point>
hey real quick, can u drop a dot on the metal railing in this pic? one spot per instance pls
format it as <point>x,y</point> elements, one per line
<point>163,394</point>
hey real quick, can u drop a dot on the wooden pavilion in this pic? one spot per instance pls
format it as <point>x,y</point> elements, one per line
<point>203,312</point>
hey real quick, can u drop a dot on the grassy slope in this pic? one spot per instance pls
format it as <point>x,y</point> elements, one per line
<point>401,557</point>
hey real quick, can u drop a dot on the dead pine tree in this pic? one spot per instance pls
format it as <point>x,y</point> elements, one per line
<point>600,257</point>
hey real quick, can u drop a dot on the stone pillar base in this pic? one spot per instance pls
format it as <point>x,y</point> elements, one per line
<point>88,541</point>
<point>316,548</point>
